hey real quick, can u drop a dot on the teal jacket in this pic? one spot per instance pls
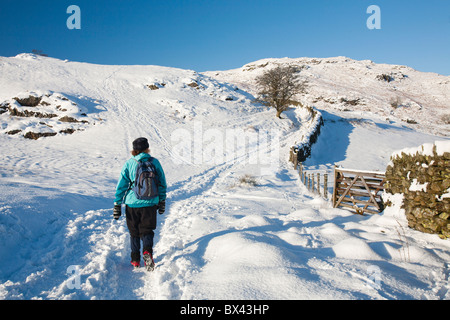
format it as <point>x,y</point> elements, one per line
<point>124,194</point>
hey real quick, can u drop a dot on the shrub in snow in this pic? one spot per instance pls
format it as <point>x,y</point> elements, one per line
<point>248,180</point>
<point>385,77</point>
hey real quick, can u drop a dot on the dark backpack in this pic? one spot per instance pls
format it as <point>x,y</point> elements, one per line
<point>145,185</point>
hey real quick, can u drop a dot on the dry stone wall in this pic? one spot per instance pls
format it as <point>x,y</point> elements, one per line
<point>422,175</point>
<point>304,147</point>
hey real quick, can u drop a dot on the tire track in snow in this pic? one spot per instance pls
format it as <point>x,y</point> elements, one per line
<point>143,125</point>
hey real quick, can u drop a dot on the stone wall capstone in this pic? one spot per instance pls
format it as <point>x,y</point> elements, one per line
<point>422,175</point>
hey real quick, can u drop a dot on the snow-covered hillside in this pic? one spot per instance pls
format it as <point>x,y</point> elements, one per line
<point>394,93</point>
<point>239,224</point>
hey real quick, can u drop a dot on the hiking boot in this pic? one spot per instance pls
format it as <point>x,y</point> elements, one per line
<point>135,264</point>
<point>148,260</point>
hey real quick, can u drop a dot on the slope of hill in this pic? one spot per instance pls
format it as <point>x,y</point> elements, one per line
<point>239,224</point>
<point>393,93</point>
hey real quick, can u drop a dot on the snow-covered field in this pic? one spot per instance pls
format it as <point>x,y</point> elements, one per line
<point>220,238</point>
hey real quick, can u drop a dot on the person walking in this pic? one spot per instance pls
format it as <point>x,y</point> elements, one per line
<point>141,211</point>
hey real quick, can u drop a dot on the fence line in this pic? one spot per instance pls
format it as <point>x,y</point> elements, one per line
<point>312,180</point>
<point>357,190</point>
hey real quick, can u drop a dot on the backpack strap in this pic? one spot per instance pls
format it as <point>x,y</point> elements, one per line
<point>154,169</point>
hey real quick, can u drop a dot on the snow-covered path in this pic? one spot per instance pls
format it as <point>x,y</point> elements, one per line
<point>241,244</point>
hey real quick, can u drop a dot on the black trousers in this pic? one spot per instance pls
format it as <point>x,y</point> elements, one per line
<point>141,222</point>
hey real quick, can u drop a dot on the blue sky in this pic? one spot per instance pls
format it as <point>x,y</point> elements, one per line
<point>218,35</point>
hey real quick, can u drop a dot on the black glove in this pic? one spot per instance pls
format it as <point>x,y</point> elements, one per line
<point>117,211</point>
<point>162,206</point>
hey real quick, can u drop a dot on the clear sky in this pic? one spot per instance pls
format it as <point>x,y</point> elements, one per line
<point>217,35</point>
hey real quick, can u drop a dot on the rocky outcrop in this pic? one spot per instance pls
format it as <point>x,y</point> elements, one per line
<point>42,114</point>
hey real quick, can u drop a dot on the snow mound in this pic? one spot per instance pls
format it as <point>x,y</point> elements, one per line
<point>354,248</point>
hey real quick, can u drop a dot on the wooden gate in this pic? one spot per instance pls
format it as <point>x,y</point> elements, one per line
<point>358,190</point>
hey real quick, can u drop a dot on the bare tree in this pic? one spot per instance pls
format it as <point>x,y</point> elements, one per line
<point>277,86</point>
